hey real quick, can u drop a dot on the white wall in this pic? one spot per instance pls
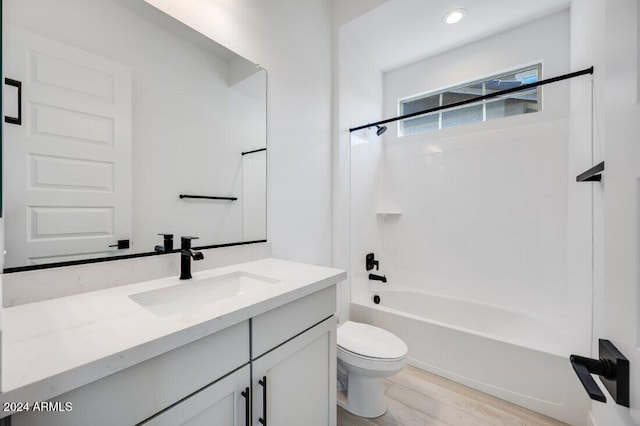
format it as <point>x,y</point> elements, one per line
<point>191,120</point>
<point>585,144</point>
<point>292,40</point>
<point>359,100</point>
<point>484,206</point>
<point>254,196</point>
<point>346,10</point>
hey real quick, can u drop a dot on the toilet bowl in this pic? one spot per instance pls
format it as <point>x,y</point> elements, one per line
<point>366,354</point>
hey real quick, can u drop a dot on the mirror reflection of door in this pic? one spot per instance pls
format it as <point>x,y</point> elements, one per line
<point>113,84</point>
<point>68,191</point>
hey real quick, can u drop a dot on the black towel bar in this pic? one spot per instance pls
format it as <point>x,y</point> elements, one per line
<point>255,150</point>
<point>207,197</point>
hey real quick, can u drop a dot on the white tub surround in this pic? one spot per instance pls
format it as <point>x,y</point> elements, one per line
<point>54,346</point>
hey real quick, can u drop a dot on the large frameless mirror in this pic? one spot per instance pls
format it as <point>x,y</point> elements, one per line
<point>131,125</point>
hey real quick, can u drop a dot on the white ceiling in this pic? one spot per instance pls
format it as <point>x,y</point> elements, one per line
<point>399,32</point>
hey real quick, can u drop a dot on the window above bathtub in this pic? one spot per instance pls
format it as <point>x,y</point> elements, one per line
<point>503,106</point>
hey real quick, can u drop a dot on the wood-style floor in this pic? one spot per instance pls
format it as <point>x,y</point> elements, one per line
<point>416,397</point>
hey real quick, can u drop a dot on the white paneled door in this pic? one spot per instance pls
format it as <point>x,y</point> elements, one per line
<point>67,167</point>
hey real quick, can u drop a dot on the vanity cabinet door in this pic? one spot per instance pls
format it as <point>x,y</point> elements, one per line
<point>295,383</point>
<point>224,403</point>
<point>274,327</point>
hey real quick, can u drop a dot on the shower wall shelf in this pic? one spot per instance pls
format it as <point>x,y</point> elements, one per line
<point>207,197</point>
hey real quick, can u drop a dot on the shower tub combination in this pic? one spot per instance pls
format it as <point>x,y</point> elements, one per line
<point>506,353</point>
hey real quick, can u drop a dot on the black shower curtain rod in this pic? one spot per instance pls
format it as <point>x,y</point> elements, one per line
<point>477,99</point>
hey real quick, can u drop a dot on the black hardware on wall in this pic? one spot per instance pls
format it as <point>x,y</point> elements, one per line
<point>122,244</point>
<point>370,261</point>
<point>207,197</point>
<point>247,405</point>
<point>263,383</point>
<point>613,369</point>
<point>374,277</point>
<point>477,99</point>
<point>594,174</point>
<point>15,120</point>
<point>255,150</point>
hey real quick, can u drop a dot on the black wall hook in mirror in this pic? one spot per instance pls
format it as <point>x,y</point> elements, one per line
<point>613,369</point>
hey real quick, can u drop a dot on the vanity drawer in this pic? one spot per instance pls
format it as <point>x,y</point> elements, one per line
<point>276,326</point>
<point>136,393</point>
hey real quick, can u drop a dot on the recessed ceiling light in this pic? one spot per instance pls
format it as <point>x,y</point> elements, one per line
<point>454,16</point>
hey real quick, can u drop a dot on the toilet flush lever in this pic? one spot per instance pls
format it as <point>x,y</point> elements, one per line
<point>370,262</point>
<point>613,369</point>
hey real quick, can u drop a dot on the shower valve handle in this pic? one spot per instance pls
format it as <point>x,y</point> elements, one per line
<point>370,262</point>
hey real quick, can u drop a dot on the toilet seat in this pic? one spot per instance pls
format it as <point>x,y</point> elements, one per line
<point>368,342</point>
<point>360,363</point>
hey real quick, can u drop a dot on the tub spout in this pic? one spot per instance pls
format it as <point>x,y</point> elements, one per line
<point>375,277</point>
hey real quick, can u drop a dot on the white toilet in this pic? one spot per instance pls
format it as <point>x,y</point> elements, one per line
<point>366,354</point>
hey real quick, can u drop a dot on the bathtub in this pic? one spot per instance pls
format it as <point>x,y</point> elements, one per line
<point>509,354</point>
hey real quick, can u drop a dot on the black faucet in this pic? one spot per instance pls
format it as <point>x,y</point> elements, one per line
<point>167,244</point>
<point>375,277</point>
<point>185,257</point>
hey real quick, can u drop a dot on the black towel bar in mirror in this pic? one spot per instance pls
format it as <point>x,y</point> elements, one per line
<point>207,197</point>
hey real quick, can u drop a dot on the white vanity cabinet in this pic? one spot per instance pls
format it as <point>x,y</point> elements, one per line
<point>278,367</point>
<point>294,363</point>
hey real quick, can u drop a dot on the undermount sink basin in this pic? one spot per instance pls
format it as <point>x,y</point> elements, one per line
<point>189,294</point>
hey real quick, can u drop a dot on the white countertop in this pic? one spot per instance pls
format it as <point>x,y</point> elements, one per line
<point>54,346</point>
